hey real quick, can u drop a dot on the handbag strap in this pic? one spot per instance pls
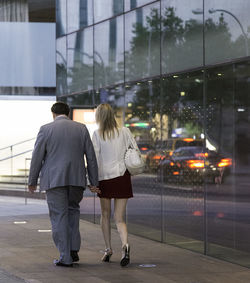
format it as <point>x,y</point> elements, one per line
<point>125,139</point>
<point>132,142</point>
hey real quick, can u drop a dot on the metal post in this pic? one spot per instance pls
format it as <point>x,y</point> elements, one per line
<point>11,161</point>
<point>94,210</point>
<point>26,182</point>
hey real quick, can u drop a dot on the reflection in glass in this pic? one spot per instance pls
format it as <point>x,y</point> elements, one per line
<point>219,128</point>
<point>79,14</point>
<point>60,17</point>
<point>61,66</point>
<point>192,127</point>
<point>132,4</point>
<point>80,60</point>
<point>85,99</point>
<point>107,9</point>
<point>226,30</point>
<point>108,54</point>
<point>228,103</point>
<point>182,35</point>
<point>142,42</point>
<point>180,156</point>
<point>143,118</point>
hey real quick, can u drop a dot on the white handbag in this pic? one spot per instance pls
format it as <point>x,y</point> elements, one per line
<point>132,158</point>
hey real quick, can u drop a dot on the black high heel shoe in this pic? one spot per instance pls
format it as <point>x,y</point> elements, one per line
<point>107,255</point>
<point>125,255</point>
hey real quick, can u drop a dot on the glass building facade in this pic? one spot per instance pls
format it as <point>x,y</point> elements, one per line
<point>177,74</point>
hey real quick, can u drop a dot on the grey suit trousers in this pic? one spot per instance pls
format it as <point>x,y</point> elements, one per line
<point>64,212</point>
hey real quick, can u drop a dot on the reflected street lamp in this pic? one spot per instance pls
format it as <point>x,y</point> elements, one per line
<point>197,11</point>
<point>212,11</point>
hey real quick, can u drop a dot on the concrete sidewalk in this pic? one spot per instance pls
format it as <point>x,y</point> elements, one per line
<point>26,255</point>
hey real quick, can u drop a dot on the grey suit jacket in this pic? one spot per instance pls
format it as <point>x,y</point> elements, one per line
<point>59,153</point>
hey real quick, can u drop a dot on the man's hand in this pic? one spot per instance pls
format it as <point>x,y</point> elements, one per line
<point>32,188</point>
<point>94,189</point>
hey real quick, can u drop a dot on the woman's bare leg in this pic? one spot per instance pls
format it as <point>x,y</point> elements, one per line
<point>119,215</point>
<point>105,221</point>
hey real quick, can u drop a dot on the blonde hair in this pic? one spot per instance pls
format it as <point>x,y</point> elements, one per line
<point>105,117</point>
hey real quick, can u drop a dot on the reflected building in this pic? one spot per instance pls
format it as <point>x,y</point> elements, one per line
<point>175,72</point>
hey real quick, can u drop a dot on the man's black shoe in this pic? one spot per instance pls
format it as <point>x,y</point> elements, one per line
<point>57,262</point>
<point>74,256</point>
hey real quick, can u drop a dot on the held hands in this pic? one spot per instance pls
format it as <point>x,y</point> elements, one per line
<point>32,188</point>
<point>94,189</point>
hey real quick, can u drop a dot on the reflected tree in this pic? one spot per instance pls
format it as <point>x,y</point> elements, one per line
<point>143,56</point>
<point>219,45</point>
<point>182,47</point>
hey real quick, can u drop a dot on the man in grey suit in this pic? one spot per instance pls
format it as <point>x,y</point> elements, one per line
<point>58,157</point>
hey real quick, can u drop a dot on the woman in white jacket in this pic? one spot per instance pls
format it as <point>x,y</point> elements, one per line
<point>114,180</point>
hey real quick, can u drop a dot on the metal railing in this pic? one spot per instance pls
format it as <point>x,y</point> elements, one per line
<point>12,156</point>
<point>15,155</point>
<point>26,180</point>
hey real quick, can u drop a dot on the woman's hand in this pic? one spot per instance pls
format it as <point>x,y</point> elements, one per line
<point>94,189</point>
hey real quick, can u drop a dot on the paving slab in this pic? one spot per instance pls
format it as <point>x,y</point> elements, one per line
<point>26,255</point>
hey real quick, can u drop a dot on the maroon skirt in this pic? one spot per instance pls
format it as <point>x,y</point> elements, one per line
<point>119,187</point>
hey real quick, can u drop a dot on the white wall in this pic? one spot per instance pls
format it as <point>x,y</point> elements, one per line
<point>21,119</point>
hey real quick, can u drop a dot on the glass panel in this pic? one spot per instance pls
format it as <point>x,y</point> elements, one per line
<point>60,17</point>
<point>27,48</point>
<point>142,42</point>
<point>80,60</point>
<point>228,127</point>
<point>226,30</point>
<point>115,97</point>
<point>182,35</point>
<point>107,9</point>
<point>131,4</point>
<point>79,14</point>
<point>61,66</point>
<point>27,55</point>
<point>143,118</point>
<point>179,160</point>
<point>242,161</point>
<point>87,99</point>
<point>108,54</point>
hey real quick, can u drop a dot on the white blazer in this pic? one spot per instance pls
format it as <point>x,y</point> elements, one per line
<point>110,153</point>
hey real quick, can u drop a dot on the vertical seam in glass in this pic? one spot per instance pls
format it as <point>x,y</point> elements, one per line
<point>93,89</point>
<point>124,65</point>
<point>67,89</point>
<point>204,127</point>
<point>124,89</point>
<point>93,14</point>
<point>234,123</point>
<point>160,40</point>
<point>162,197</point>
